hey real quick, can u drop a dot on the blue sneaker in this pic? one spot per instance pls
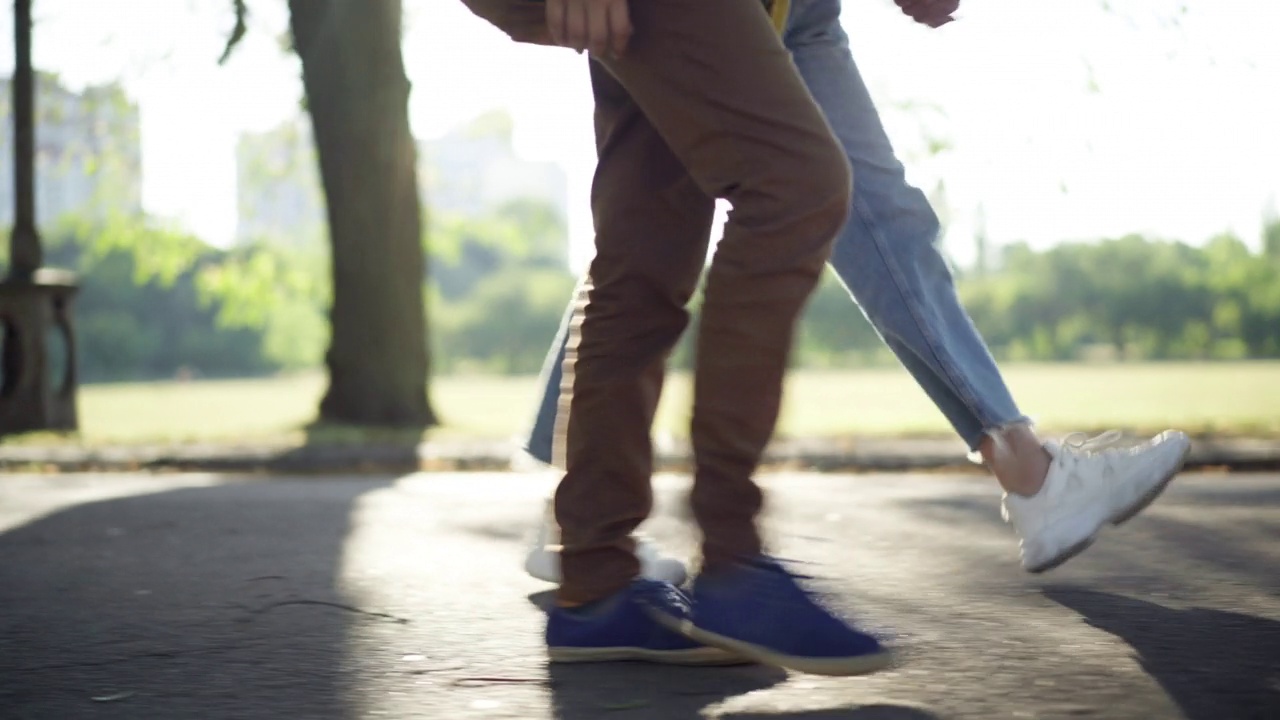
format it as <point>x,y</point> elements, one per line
<point>756,609</point>
<point>623,627</point>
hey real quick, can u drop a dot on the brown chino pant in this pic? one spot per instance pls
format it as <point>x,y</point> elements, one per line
<point>705,104</point>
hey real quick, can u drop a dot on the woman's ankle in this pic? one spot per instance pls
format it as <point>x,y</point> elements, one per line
<point>1017,458</point>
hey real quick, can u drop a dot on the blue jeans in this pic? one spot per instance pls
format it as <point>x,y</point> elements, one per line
<point>886,256</point>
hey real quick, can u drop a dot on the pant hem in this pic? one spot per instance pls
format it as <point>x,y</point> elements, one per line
<point>996,433</point>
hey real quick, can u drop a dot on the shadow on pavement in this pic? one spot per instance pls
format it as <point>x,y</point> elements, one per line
<point>949,509</point>
<point>638,691</point>
<point>631,691</point>
<point>1240,550</point>
<point>1216,665</point>
<point>216,601</point>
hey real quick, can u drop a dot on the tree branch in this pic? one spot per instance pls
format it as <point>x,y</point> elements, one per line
<point>237,32</point>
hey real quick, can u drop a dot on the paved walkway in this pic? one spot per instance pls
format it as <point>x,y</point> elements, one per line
<point>199,596</point>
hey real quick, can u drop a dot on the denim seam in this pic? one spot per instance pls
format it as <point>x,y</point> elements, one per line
<point>962,389</point>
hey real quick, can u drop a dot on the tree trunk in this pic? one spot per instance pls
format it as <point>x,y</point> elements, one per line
<point>357,95</point>
<point>25,254</point>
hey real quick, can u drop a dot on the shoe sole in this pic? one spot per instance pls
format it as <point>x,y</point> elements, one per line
<point>1065,555</point>
<point>1130,512</point>
<point>1126,514</point>
<point>706,656</point>
<point>837,667</point>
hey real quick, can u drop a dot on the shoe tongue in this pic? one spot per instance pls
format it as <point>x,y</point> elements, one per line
<point>1053,447</point>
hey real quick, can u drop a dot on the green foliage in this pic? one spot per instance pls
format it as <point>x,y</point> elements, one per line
<point>1271,239</point>
<point>835,334</point>
<point>464,251</point>
<point>499,288</point>
<point>1130,298</point>
<point>278,292</point>
<point>159,254</point>
<point>139,316</point>
<point>499,296</point>
<point>155,302</point>
<point>249,283</point>
<point>505,325</point>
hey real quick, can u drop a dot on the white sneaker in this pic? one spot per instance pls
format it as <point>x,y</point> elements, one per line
<point>543,563</point>
<point>543,560</point>
<point>1091,482</point>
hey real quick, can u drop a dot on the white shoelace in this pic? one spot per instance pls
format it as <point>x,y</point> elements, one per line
<point>1094,451</point>
<point>1109,440</point>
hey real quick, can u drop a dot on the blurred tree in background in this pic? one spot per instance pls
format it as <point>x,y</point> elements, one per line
<point>357,95</point>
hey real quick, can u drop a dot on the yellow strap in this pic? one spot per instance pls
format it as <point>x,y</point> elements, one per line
<point>778,12</point>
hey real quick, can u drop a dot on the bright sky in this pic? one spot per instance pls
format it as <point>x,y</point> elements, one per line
<point>1180,139</point>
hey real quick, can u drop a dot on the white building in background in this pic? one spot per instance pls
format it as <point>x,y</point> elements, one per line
<point>474,169</point>
<point>469,172</point>
<point>88,152</point>
<point>278,193</point>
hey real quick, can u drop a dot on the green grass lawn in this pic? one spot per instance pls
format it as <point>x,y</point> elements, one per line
<point>1228,398</point>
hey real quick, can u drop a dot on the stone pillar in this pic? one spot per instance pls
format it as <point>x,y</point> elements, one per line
<point>37,363</point>
<point>37,377</point>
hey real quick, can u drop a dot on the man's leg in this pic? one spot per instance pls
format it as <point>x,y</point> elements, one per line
<point>652,226</point>
<point>713,79</point>
<point>546,445</point>
<point>651,234</point>
<point>888,259</point>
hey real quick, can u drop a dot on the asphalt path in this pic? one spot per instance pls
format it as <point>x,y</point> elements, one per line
<point>204,596</point>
